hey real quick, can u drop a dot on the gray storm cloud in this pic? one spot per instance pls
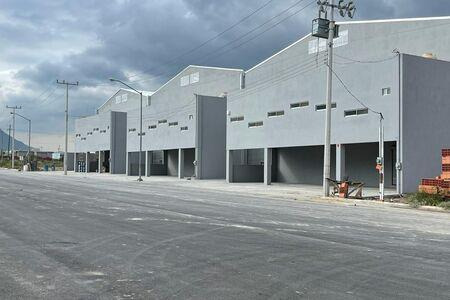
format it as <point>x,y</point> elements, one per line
<point>90,41</point>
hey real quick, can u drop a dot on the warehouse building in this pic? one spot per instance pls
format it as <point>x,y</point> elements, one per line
<point>275,126</point>
<point>100,139</point>
<point>184,125</point>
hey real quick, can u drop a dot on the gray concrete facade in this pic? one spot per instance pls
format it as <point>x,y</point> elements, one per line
<point>185,120</point>
<point>425,118</point>
<point>103,135</point>
<point>280,109</point>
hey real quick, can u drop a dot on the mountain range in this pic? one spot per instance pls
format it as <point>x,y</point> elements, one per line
<point>18,145</point>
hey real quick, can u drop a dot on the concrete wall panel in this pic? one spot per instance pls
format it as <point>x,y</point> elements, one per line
<point>118,142</point>
<point>302,164</point>
<point>426,118</point>
<point>172,162</point>
<point>189,158</point>
<point>211,137</point>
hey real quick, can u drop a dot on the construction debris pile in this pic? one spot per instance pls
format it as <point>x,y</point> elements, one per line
<point>441,184</point>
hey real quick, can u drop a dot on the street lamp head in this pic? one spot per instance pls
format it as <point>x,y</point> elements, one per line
<point>112,79</point>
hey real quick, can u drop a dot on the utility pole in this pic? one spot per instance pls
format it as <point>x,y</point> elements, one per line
<point>14,108</point>
<point>67,120</point>
<point>29,135</point>
<point>326,29</point>
<point>9,138</point>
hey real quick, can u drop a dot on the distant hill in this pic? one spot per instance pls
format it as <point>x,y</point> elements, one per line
<point>18,145</point>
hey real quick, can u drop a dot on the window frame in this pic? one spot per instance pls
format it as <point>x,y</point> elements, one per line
<point>255,124</point>
<point>333,106</point>
<point>275,114</point>
<point>299,105</point>
<point>237,119</point>
<point>356,112</point>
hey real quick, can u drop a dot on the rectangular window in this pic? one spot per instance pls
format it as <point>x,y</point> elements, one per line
<point>118,99</point>
<point>124,97</point>
<point>172,124</point>
<point>191,117</point>
<point>162,121</point>
<point>320,107</point>
<point>356,112</point>
<point>255,124</point>
<point>386,91</point>
<point>132,130</point>
<point>275,114</point>
<point>237,119</point>
<point>152,127</point>
<point>299,104</point>
<point>103,131</point>
<point>89,133</point>
<point>77,135</point>
<point>83,139</point>
<point>95,129</point>
<point>184,128</point>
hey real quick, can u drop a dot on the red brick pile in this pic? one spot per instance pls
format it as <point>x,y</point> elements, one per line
<point>441,184</point>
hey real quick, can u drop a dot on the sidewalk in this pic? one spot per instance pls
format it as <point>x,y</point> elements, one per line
<point>292,191</point>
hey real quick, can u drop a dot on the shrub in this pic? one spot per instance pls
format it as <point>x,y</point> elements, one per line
<point>421,199</point>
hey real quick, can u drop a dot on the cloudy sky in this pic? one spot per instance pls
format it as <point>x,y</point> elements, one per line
<point>141,41</point>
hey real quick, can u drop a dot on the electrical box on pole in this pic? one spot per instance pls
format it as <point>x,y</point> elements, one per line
<point>321,28</point>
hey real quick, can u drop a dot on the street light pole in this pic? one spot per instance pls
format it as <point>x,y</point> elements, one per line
<point>140,124</point>
<point>380,162</point>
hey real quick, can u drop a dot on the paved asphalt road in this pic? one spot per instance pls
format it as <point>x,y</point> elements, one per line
<point>75,238</point>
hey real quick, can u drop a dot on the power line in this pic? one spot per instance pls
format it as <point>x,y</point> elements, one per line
<point>220,53</point>
<point>264,83</point>
<point>49,86</point>
<point>258,88</point>
<point>261,33</point>
<point>351,93</point>
<point>365,61</point>
<point>49,95</point>
<point>212,38</point>
<point>365,39</point>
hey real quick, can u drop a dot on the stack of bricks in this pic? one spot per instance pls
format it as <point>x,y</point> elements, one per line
<point>441,184</point>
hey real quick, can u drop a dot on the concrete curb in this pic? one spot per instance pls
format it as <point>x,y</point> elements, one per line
<point>389,204</point>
